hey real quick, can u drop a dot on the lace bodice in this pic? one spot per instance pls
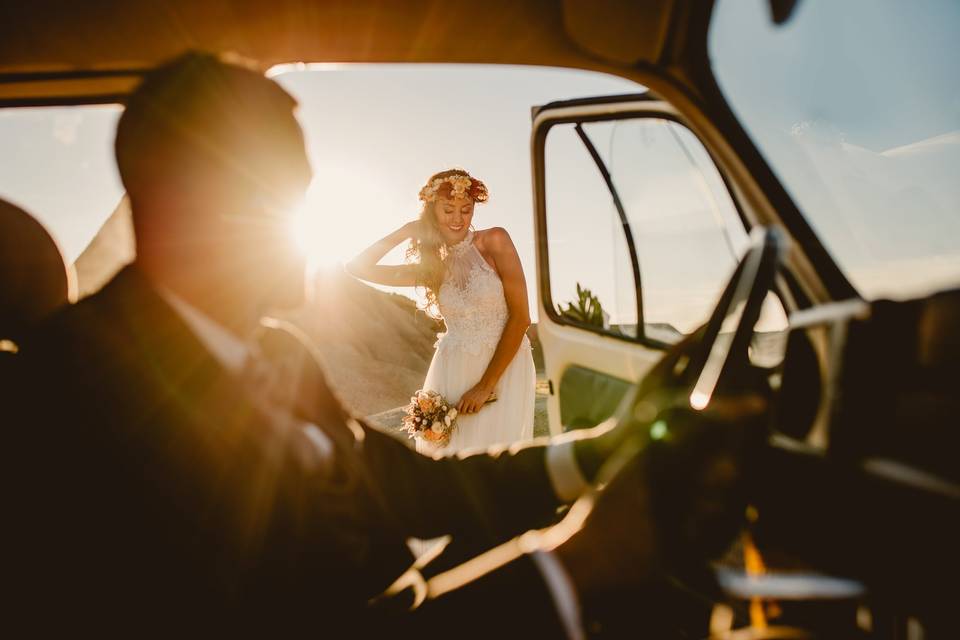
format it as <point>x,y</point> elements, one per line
<point>471,300</point>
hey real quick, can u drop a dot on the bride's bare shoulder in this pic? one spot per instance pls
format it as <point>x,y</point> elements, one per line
<point>493,238</point>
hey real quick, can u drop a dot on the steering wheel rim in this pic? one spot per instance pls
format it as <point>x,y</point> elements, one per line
<point>706,361</point>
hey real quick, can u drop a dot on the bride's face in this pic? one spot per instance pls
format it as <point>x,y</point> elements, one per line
<point>453,218</point>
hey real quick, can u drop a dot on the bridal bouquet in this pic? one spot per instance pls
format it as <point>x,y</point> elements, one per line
<point>430,417</point>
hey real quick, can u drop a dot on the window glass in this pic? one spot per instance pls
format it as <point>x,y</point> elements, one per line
<point>591,277</point>
<point>856,107</point>
<point>685,227</point>
<point>687,230</point>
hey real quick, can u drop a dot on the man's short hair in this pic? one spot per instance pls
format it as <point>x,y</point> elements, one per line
<point>217,117</point>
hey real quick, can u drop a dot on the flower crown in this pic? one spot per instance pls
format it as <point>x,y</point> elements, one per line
<point>460,185</point>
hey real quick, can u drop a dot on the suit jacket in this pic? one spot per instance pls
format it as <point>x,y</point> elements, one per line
<point>147,493</point>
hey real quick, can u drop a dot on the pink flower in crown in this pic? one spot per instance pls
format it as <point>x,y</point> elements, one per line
<point>459,184</point>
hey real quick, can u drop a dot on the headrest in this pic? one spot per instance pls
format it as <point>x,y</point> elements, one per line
<point>34,279</point>
<point>897,387</point>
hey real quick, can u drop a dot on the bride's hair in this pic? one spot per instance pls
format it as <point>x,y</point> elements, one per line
<point>428,250</point>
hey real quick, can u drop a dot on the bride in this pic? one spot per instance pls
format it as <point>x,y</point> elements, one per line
<point>473,278</point>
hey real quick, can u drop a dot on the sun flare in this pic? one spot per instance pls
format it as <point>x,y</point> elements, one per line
<point>326,241</point>
<point>341,214</point>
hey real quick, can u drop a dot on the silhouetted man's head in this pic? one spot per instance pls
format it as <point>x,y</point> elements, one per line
<point>214,160</point>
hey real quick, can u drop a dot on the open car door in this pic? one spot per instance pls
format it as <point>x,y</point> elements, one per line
<point>637,233</point>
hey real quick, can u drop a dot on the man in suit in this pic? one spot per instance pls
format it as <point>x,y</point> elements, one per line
<point>154,480</point>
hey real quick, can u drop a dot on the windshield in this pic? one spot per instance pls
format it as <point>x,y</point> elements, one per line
<point>856,107</point>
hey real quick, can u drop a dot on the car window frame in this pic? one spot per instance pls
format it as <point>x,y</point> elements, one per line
<point>646,105</point>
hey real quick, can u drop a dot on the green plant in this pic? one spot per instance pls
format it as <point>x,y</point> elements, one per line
<point>587,308</point>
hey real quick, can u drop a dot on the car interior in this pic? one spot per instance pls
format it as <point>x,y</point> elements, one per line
<point>854,487</point>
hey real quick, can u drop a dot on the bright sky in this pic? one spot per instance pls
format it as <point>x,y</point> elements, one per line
<point>57,163</point>
<point>376,133</point>
<point>857,106</point>
<point>866,140</point>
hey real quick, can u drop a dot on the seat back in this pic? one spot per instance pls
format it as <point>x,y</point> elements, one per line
<point>34,279</point>
<point>898,385</point>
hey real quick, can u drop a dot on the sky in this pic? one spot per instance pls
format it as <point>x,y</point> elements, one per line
<point>863,131</point>
<point>57,163</point>
<point>856,104</point>
<point>376,133</point>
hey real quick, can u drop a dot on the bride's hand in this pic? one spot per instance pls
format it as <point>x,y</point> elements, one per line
<point>474,399</point>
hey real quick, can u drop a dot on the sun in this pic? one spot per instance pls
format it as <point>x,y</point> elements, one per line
<point>343,211</point>
<point>323,239</point>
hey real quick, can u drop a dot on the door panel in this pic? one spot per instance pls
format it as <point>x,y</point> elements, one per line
<point>589,397</point>
<point>580,363</point>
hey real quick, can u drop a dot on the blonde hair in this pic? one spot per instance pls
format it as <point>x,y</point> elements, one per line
<point>428,250</point>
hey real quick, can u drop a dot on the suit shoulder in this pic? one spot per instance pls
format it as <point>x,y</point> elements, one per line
<point>69,326</point>
<point>69,318</point>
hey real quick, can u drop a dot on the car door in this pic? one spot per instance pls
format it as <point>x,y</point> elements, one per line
<point>637,233</point>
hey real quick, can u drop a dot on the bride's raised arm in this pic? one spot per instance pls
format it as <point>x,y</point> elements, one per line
<point>365,266</point>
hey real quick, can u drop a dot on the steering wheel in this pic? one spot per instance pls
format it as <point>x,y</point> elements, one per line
<point>714,358</point>
<point>692,418</point>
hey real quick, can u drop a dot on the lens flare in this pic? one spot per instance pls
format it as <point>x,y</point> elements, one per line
<point>317,241</point>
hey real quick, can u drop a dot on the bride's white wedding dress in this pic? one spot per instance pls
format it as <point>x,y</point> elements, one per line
<point>474,310</point>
